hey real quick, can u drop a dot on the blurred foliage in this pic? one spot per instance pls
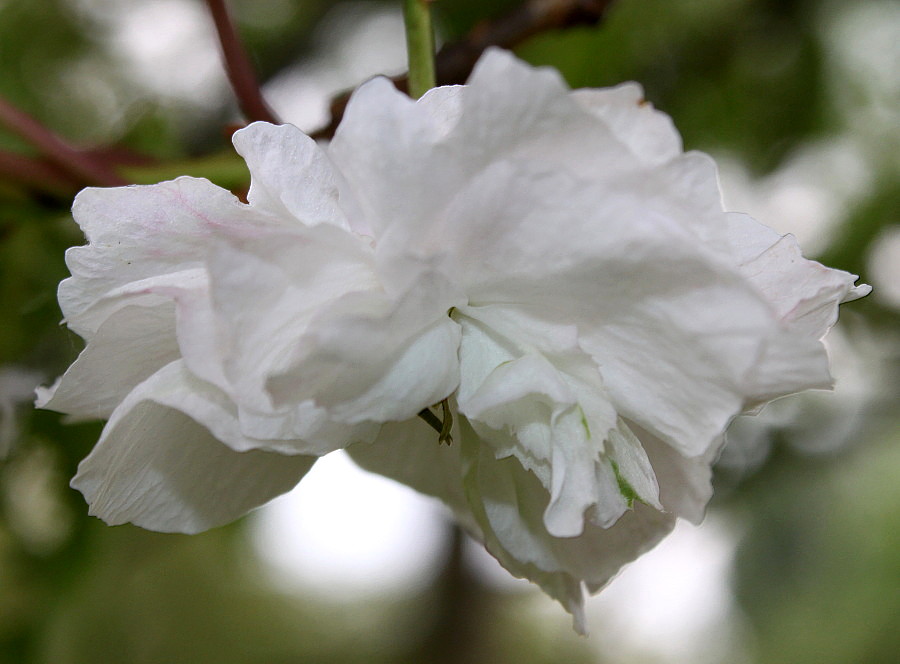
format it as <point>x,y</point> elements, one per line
<point>819,569</point>
<point>817,575</point>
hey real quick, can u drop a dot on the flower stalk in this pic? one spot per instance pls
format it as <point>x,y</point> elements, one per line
<point>432,420</point>
<point>238,67</point>
<point>419,46</point>
<point>84,168</point>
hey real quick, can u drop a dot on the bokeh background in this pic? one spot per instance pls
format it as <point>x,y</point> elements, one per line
<point>799,559</point>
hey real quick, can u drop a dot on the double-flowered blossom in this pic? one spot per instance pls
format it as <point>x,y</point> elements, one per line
<point>551,263</point>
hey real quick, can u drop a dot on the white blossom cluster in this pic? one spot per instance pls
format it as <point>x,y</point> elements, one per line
<point>550,266</point>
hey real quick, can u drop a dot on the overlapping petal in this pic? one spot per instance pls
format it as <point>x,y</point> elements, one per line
<point>162,462</point>
<point>549,263</point>
<point>108,369</point>
<point>292,176</point>
<point>376,357</point>
<point>509,503</point>
<point>140,232</point>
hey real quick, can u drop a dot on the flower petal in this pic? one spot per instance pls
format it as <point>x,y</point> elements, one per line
<point>264,293</point>
<point>372,357</point>
<point>158,465</point>
<point>804,296</point>
<point>509,502</point>
<point>385,143</point>
<point>685,484</point>
<point>674,328</point>
<point>137,232</point>
<point>292,178</point>
<point>130,345</point>
<point>548,409</point>
<point>632,465</point>
<point>649,134</point>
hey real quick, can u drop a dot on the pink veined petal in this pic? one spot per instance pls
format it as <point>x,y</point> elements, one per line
<point>804,294</point>
<point>139,232</point>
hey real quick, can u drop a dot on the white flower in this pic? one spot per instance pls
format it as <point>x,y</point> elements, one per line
<point>550,262</point>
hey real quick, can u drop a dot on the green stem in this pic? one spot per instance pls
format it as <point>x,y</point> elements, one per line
<point>419,46</point>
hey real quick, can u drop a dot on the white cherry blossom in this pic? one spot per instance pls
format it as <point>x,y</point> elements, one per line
<point>549,262</point>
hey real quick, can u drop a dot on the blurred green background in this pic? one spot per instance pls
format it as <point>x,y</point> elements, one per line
<point>799,100</point>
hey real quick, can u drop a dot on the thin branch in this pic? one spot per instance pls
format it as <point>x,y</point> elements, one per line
<point>86,169</point>
<point>36,174</point>
<point>454,62</point>
<point>237,65</point>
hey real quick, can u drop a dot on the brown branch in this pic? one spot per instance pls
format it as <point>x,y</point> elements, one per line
<point>84,167</point>
<point>36,174</point>
<point>454,62</point>
<point>238,67</point>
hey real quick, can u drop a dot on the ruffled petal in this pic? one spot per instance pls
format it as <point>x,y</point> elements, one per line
<point>377,357</point>
<point>264,293</point>
<point>161,463</point>
<point>508,503</point>
<point>140,232</point>
<point>200,341</point>
<point>649,225</point>
<point>502,505</point>
<point>674,328</point>
<point>685,483</point>
<point>302,428</point>
<point>547,407</point>
<point>131,345</point>
<point>450,136</point>
<point>292,178</point>
<point>554,129</point>
<point>804,296</point>
<point>385,143</point>
<point>649,134</point>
